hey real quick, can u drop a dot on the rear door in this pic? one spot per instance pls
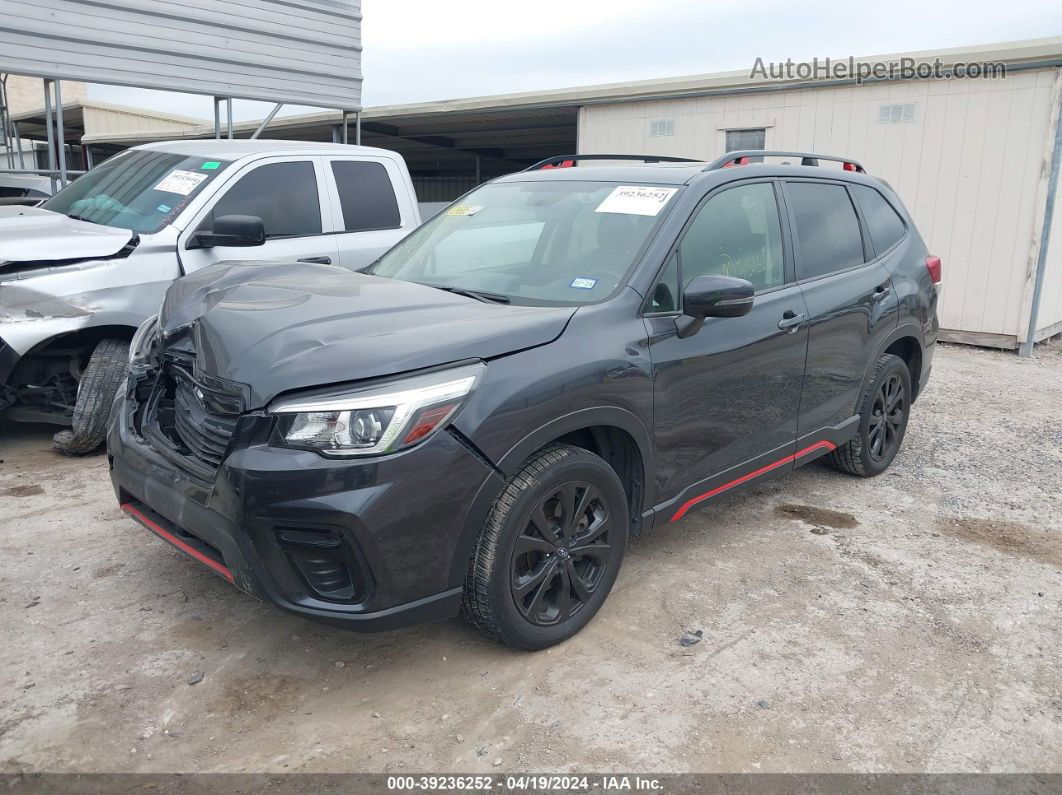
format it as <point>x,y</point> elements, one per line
<point>367,214</point>
<point>850,300</point>
<point>288,195</point>
<point>726,399</point>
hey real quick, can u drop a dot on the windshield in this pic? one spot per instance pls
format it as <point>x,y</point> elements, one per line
<point>549,243</point>
<point>140,190</point>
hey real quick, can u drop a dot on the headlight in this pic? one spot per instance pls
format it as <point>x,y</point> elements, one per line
<point>375,420</point>
<point>141,342</point>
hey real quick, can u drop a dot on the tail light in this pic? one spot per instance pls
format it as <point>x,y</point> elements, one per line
<point>933,266</point>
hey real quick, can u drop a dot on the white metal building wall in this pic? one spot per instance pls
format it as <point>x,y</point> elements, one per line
<point>971,165</point>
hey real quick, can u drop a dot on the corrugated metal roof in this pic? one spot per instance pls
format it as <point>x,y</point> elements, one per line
<point>481,110</point>
<point>305,52</point>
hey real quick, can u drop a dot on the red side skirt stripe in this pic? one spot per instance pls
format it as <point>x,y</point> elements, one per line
<point>823,445</point>
<point>165,535</point>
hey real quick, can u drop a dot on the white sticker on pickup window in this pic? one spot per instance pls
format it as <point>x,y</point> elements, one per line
<point>181,182</point>
<point>636,200</point>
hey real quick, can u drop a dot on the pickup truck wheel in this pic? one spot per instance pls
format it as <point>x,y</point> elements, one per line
<point>883,415</point>
<point>102,378</point>
<point>549,551</point>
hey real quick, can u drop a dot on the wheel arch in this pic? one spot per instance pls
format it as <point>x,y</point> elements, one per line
<point>905,341</point>
<point>614,434</point>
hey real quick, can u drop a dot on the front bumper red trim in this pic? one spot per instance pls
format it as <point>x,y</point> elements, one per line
<point>170,538</point>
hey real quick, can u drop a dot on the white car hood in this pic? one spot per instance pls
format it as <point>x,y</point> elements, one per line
<point>35,234</point>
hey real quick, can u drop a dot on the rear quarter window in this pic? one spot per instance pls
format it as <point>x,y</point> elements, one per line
<point>884,223</point>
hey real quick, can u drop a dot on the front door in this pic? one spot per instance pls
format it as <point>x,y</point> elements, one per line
<point>726,399</point>
<point>287,197</point>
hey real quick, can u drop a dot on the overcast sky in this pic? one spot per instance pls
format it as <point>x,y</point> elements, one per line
<point>426,49</point>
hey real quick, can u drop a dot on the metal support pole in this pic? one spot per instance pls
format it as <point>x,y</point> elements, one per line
<point>88,158</point>
<point>60,133</point>
<point>478,178</point>
<point>217,118</point>
<point>5,122</point>
<point>336,134</point>
<point>18,142</point>
<point>228,102</point>
<point>1026,347</point>
<point>344,127</point>
<point>266,120</point>
<point>357,128</point>
<point>49,126</point>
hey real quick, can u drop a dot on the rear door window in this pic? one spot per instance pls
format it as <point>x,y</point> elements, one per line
<point>884,223</point>
<point>283,195</point>
<point>366,196</point>
<point>826,226</point>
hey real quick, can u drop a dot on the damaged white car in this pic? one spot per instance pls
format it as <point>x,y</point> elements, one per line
<point>80,273</point>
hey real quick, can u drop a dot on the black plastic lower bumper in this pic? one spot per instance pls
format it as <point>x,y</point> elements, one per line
<point>364,544</point>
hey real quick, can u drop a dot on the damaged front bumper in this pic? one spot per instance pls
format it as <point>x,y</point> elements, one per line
<point>367,544</point>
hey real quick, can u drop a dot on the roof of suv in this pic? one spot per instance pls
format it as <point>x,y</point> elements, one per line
<point>237,148</point>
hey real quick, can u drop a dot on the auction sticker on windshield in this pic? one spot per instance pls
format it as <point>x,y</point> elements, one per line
<point>181,182</point>
<point>636,200</point>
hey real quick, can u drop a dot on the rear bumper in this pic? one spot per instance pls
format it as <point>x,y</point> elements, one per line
<point>272,515</point>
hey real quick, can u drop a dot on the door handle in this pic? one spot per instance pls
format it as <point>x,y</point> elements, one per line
<point>317,260</point>
<point>882,291</point>
<point>791,321</point>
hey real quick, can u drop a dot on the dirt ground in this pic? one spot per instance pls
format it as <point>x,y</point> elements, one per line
<point>905,623</point>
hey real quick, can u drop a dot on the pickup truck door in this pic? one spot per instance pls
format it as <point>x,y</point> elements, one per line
<point>371,208</point>
<point>289,195</point>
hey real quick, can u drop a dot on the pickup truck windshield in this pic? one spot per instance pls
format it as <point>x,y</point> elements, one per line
<point>537,243</point>
<point>140,190</point>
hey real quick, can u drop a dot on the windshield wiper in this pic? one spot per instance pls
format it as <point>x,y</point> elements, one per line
<point>77,217</point>
<point>479,295</point>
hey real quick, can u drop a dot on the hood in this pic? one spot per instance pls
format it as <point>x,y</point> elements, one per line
<point>278,327</point>
<point>33,234</point>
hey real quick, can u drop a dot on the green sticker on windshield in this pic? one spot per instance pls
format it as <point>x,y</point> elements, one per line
<point>210,165</point>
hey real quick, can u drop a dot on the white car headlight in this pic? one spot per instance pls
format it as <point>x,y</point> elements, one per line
<point>141,341</point>
<point>377,419</point>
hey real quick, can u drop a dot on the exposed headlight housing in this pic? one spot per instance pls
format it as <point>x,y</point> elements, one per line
<point>378,419</point>
<point>141,342</point>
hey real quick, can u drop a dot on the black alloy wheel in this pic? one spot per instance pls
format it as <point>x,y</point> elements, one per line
<point>549,551</point>
<point>561,555</point>
<point>887,418</point>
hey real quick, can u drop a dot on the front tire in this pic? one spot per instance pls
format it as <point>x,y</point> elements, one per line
<point>550,550</point>
<point>102,378</point>
<point>883,415</point>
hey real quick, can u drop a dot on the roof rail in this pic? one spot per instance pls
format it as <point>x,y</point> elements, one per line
<point>741,158</point>
<point>568,161</point>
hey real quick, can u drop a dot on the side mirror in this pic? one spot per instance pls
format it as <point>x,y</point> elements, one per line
<point>232,230</point>
<point>714,296</point>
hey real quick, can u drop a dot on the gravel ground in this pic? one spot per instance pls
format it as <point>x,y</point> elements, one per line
<point>905,623</point>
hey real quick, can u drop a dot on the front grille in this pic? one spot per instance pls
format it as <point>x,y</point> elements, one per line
<point>194,415</point>
<point>204,433</point>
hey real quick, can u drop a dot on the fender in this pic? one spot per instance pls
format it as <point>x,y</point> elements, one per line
<point>904,330</point>
<point>510,463</point>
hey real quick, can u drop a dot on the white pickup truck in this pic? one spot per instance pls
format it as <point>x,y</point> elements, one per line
<point>81,272</point>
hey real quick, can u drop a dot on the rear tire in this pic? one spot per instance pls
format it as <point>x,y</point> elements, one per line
<point>102,378</point>
<point>884,411</point>
<point>550,550</point>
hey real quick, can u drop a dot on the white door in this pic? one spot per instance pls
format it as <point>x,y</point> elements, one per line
<point>290,197</point>
<point>369,218</point>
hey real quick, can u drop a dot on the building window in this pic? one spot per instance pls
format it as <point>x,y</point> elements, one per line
<point>896,113</point>
<point>661,128</point>
<point>737,140</point>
